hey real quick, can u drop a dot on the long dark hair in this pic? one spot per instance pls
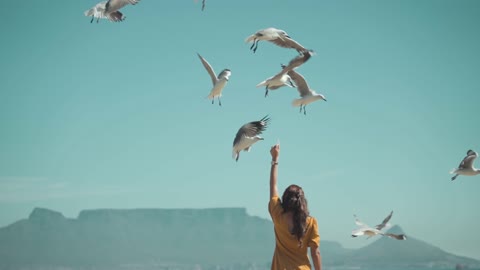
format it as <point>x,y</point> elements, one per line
<point>293,200</point>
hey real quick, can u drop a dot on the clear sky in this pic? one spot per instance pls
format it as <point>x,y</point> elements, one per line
<point>114,115</point>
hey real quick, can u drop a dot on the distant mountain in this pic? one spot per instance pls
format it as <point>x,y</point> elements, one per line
<point>220,238</point>
<point>412,252</point>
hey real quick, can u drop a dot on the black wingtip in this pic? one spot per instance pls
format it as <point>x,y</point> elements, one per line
<point>266,118</point>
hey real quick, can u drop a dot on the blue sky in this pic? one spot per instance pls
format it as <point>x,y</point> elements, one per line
<point>114,115</point>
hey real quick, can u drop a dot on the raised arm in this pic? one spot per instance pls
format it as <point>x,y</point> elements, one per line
<point>275,152</point>
<point>316,258</point>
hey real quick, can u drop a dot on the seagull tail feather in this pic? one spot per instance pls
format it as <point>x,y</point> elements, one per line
<point>235,155</point>
<point>262,83</point>
<point>250,39</point>
<point>88,13</point>
<point>453,171</point>
<point>297,102</point>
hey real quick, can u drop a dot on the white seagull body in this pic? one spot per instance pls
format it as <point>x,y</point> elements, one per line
<point>247,135</point>
<point>109,10</point>
<point>218,82</point>
<point>466,166</point>
<point>282,78</point>
<point>307,95</point>
<point>276,36</point>
<point>364,229</point>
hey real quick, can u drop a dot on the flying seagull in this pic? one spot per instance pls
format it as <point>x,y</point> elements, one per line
<point>276,36</point>
<point>364,229</point>
<point>109,10</point>
<point>307,95</point>
<point>247,135</point>
<point>98,11</point>
<point>218,82</point>
<point>282,78</point>
<point>466,166</point>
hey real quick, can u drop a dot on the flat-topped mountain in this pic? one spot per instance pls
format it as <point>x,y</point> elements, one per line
<point>183,239</point>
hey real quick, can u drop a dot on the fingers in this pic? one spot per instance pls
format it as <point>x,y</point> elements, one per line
<point>275,151</point>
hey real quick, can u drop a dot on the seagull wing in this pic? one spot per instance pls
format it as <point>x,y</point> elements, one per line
<point>396,236</point>
<point>209,69</point>
<point>467,162</point>
<point>224,74</point>
<point>384,222</point>
<point>471,152</point>
<point>300,82</point>
<point>359,223</point>
<point>296,62</point>
<point>203,5</point>
<point>114,5</point>
<point>116,16</point>
<point>288,42</point>
<point>251,129</point>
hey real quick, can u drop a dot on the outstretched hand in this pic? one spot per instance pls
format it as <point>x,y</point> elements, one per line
<point>275,152</point>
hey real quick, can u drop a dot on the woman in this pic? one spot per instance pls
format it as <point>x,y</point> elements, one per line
<point>295,230</point>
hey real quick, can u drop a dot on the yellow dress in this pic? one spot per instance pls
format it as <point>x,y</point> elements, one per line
<point>288,254</point>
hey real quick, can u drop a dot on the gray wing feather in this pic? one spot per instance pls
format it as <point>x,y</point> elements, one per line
<point>288,42</point>
<point>116,16</point>
<point>396,236</point>
<point>296,62</point>
<point>209,69</point>
<point>300,82</point>
<point>384,222</point>
<point>251,129</point>
<point>467,162</point>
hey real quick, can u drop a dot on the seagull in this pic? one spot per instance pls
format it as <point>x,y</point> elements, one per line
<point>98,11</point>
<point>367,230</point>
<point>466,166</point>
<point>218,82</point>
<point>276,36</point>
<point>247,135</point>
<point>282,78</point>
<point>307,95</point>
